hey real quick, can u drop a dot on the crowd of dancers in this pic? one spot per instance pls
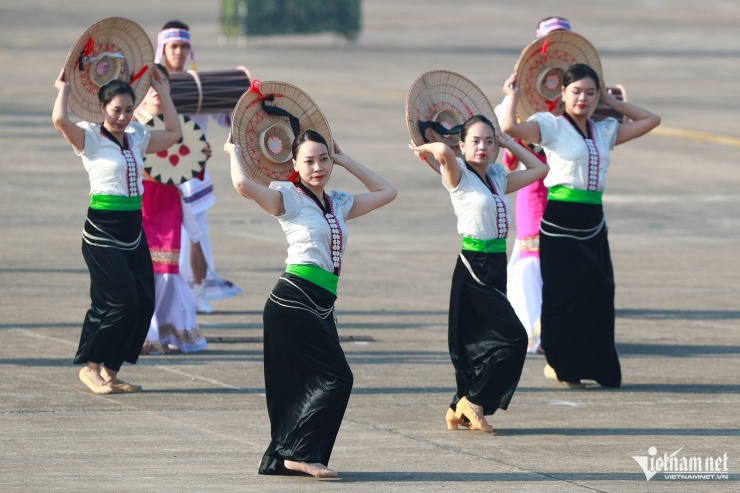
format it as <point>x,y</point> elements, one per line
<point>151,266</point>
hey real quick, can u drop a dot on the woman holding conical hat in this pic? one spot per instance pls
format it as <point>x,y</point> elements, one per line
<point>114,244</point>
<point>487,341</point>
<point>577,275</point>
<point>307,378</point>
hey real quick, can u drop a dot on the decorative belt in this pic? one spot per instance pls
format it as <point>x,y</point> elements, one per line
<point>316,275</point>
<point>496,245</point>
<point>566,194</point>
<point>115,203</point>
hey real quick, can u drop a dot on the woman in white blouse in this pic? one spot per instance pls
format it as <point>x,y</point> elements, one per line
<point>307,378</point>
<point>578,280</point>
<point>487,342</point>
<point>114,245</point>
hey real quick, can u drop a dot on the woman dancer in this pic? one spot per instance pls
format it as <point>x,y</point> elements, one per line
<point>577,275</point>
<point>114,245</point>
<point>174,324</point>
<point>487,341</point>
<point>307,378</point>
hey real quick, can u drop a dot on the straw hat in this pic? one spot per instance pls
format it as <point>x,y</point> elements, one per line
<point>541,68</point>
<point>266,139</point>
<point>114,48</point>
<point>181,162</point>
<point>438,99</point>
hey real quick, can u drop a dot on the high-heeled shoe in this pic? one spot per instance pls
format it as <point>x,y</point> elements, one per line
<point>552,375</point>
<point>463,410</point>
<point>453,421</point>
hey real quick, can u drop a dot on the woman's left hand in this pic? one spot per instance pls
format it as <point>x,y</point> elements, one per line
<point>207,151</point>
<point>337,156</point>
<point>606,96</point>
<point>503,138</point>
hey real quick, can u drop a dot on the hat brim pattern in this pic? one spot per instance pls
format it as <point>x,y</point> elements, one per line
<point>541,66</point>
<point>265,139</point>
<point>114,48</point>
<point>181,162</point>
<point>450,99</point>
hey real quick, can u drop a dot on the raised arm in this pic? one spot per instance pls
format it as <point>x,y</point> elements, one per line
<point>268,199</point>
<point>642,121</point>
<point>535,169</point>
<point>529,131</point>
<point>161,140</point>
<point>74,134</point>
<point>445,156</point>
<point>380,191</point>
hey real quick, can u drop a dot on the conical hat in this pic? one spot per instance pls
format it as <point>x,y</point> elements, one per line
<point>114,48</point>
<point>266,139</point>
<point>541,68</point>
<point>181,162</point>
<point>448,99</point>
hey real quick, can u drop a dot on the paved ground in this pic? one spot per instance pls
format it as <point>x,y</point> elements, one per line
<point>201,425</point>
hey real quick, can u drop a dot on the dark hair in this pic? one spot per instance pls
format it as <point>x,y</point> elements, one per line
<point>163,70</point>
<point>472,121</point>
<point>175,25</point>
<point>580,71</point>
<point>308,135</point>
<point>113,89</point>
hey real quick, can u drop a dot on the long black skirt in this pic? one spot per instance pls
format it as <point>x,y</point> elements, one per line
<point>121,288</point>
<point>307,379</point>
<point>488,343</point>
<point>578,294</point>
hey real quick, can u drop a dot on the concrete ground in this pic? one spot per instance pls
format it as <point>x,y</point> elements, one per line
<point>201,424</point>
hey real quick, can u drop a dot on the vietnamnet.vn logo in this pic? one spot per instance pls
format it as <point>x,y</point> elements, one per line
<point>675,467</point>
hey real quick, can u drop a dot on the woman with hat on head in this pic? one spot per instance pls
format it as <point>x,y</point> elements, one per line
<point>487,341</point>
<point>174,46</point>
<point>524,280</point>
<point>578,279</point>
<point>114,245</point>
<point>307,378</point>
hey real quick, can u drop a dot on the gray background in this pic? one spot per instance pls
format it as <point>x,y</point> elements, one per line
<point>201,425</point>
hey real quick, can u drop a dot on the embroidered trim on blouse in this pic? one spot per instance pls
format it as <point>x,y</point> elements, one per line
<point>336,231</point>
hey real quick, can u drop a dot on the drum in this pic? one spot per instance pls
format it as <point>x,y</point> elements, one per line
<point>208,92</point>
<point>181,162</point>
<point>603,111</point>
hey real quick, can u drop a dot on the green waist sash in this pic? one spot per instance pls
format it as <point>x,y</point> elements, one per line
<point>115,203</point>
<point>316,275</point>
<point>566,194</point>
<point>496,245</point>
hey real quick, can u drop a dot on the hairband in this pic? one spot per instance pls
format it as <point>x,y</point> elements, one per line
<point>552,24</point>
<point>173,34</point>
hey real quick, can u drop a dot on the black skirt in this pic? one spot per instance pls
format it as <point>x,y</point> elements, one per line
<point>121,288</point>
<point>488,343</point>
<point>578,294</point>
<point>307,379</point>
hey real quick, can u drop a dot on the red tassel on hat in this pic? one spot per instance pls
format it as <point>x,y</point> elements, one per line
<point>544,47</point>
<point>294,177</point>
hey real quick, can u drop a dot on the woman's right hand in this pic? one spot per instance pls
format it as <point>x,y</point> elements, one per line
<point>511,88</point>
<point>62,81</point>
<point>422,151</point>
<point>229,146</point>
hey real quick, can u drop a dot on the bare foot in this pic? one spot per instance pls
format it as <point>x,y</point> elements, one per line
<point>315,469</point>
